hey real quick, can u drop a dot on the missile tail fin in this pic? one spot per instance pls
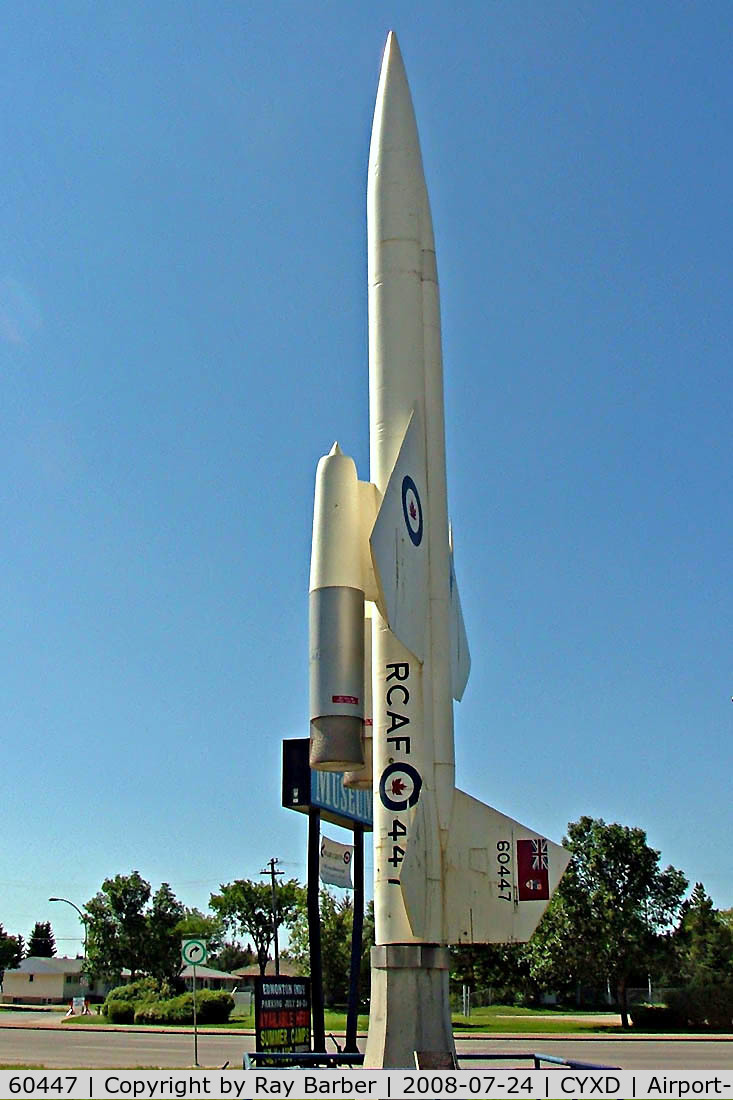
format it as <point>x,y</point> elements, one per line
<point>498,874</point>
<point>460,656</point>
<point>399,543</point>
<point>420,874</point>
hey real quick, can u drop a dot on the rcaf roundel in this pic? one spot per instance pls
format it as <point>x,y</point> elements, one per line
<point>399,786</point>
<point>412,510</point>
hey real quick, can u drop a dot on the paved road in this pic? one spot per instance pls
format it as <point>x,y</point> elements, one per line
<point>77,1047</point>
<point>623,1053</point>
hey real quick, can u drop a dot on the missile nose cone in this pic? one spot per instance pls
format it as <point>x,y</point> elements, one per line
<point>395,129</point>
<point>395,179</point>
<point>392,52</point>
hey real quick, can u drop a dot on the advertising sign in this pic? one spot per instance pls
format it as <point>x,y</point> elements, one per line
<point>303,788</point>
<point>282,1015</point>
<point>335,863</point>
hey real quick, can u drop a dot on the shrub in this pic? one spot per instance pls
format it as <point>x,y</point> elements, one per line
<point>705,1004</point>
<point>214,1006</point>
<point>211,1008</point>
<point>143,989</point>
<point>120,1012</point>
<point>171,1011</point>
<point>648,1017</point>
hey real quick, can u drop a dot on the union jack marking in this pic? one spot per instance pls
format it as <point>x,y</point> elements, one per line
<point>539,855</point>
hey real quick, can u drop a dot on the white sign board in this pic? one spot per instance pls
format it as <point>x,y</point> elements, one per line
<point>194,952</point>
<point>336,860</point>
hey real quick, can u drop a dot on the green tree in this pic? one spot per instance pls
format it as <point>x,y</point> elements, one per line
<point>726,917</point>
<point>337,922</point>
<point>368,939</point>
<point>245,908</point>
<point>703,941</point>
<point>117,928</point>
<point>562,952</point>
<point>162,952</point>
<point>204,926</point>
<point>611,911</point>
<point>129,930</point>
<point>11,951</point>
<point>502,968</point>
<point>233,955</point>
<point>41,942</point>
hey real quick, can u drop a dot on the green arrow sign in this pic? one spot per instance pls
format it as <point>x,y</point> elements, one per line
<point>194,952</point>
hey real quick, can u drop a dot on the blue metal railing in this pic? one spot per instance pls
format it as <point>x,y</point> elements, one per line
<point>313,1058</point>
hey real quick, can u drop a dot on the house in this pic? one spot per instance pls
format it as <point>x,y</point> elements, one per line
<point>247,974</point>
<point>41,981</point>
<point>209,978</point>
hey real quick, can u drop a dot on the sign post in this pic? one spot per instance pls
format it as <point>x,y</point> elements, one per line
<point>194,951</point>
<point>322,795</point>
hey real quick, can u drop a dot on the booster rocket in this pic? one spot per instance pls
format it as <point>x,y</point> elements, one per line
<point>447,868</point>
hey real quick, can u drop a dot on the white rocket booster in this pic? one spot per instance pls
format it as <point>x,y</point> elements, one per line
<point>447,868</point>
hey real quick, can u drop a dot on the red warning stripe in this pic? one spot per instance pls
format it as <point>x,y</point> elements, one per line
<point>345,699</point>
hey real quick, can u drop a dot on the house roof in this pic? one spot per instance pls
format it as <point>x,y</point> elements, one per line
<point>207,972</point>
<point>287,970</point>
<point>35,964</point>
<point>64,965</point>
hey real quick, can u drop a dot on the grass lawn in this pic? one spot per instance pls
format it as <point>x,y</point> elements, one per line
<point>505,1019</point>
<point>509,1019</point>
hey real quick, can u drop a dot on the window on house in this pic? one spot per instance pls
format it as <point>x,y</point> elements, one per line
<point>30,977</point>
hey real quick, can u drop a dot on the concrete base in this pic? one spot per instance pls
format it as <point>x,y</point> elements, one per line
<point>410,1005</point>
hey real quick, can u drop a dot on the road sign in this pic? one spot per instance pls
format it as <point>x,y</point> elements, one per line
<point>194,952</point>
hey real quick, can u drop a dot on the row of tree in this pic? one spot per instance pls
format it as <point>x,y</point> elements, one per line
<point>41,944</point>
<point>617,918</point>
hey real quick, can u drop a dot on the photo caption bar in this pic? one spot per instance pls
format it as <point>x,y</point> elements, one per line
<point>542,1084</point>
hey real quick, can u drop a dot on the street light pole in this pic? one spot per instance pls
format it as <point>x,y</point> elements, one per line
<point>82,918</point>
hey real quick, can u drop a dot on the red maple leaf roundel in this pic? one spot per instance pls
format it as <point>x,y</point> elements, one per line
<point>398,786</point>
<point>413,510</point>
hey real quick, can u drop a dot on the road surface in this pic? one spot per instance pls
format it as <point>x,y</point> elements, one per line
<point>77,1047</point>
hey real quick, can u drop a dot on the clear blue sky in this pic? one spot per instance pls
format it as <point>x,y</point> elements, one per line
<point>183,334</point>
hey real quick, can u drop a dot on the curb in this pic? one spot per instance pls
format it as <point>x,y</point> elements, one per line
<point>463,1036</point>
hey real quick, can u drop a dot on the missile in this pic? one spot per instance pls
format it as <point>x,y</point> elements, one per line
<point>362,779</point>
<point>336,612</point>
<point>448,869</point>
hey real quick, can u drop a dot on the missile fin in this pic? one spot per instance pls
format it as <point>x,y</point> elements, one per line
<point>420,875</point>
<point>399,543</point>
<point>460,657</point>
<point>368,508</point>
<point>499,875</point>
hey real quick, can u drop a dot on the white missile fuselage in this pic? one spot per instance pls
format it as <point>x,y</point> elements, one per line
<point>413,712</point>
<point>447,868</point>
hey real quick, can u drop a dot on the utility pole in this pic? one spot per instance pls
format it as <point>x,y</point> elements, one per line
<point>270,870</point>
